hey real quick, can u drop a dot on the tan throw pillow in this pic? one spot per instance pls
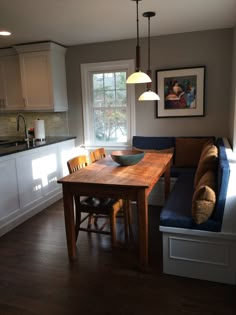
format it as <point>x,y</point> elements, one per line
<point>168,150</point>
<point>204,198</point>
<point>207,162</point>
<point>209,179</point>
<point>188,151</point>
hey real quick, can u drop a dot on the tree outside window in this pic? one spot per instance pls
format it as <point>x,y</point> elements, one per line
<point>108,103</point>
<point>110,106</point>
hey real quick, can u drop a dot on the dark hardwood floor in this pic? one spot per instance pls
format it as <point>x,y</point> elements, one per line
<point>37,278</point>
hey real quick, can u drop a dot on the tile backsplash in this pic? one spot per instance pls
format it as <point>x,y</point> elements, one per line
<point>56,124</point>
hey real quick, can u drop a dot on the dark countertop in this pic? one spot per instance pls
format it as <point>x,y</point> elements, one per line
<point>6,149</point>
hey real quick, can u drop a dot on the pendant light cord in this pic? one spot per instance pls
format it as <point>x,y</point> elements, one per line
<point>149,49</point>
<point>148,15</point>
<point>137,46</point>
<point>138,76</point>
<point>137,20</point>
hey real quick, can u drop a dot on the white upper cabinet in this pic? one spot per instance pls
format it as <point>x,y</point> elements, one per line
<point>43,76</point>
<point>10,81</point>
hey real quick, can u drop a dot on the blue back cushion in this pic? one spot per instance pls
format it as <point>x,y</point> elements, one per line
<point>153,143</point>
<point>223,171</point>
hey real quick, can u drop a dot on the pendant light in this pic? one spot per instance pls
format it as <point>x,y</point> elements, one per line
<point>138,76</point>
<point>149,95</point>
<point>4,33</point>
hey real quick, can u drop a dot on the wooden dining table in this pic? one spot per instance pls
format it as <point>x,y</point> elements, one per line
<point>107,178</point>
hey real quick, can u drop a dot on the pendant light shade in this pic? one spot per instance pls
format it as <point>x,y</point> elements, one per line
<point>138,76</point>
<point>149,95</point>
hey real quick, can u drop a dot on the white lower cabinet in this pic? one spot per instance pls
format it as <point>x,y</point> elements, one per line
<point>50,170</point>
<point>29,179</point>
<point>37,175</point>
<point>28,182</point>
<point>9,200</point>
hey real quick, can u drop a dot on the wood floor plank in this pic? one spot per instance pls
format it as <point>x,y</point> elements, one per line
<point>36,277</point>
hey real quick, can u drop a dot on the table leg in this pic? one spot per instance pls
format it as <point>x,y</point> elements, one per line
<point>167,181</point>
<point>69,222</point>
<point>142,206</point>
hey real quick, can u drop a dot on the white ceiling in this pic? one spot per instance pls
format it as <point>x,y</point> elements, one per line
<point>72,22</point>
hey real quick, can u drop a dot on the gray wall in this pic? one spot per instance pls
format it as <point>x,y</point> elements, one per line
<point>233,94</point>
<point>210,48</point>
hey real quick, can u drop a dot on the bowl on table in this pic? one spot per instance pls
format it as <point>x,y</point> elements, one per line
<point>127,157</point>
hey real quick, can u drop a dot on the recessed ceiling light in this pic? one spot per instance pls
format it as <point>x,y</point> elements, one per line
<point>5,33</point>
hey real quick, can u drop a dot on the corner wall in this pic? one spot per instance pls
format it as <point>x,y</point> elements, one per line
<point>233,97</point>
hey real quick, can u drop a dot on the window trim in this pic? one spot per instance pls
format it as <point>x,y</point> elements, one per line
<point>87,70</point>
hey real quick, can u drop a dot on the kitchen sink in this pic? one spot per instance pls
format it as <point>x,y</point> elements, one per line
<point>19,142</point>
<point>12,143</point>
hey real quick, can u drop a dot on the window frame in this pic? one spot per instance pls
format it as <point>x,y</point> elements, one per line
<point>87,70</point>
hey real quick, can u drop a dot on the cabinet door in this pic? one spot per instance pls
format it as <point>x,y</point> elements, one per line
<point>37,176</point>
<point>10,84</point>
<point>29,179</point>
<point>9,202</point>
<point>66,151</point>
<point>14,98</point>
<point>2,86</point>
<point>49,170</point>
<point>36,80</point>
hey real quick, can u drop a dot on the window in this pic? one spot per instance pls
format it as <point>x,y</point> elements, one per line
<point>108,103</point>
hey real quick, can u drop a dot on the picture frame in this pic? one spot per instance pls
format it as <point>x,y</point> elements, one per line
<point>181,91</point>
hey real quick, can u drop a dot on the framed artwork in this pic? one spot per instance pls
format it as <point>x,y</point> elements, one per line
<point>181,92</point>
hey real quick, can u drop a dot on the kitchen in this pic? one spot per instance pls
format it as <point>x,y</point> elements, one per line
<point>215,48</point>
<point>66,118</point>
<point>32,164</point>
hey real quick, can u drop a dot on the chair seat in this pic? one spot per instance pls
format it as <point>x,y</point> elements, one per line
<point>97,207</point>
<point>100,205</point>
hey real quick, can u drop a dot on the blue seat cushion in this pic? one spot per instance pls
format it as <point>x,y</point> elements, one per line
<point>177,210</point>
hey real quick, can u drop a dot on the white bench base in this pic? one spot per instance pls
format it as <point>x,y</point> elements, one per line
<point>199,254</point>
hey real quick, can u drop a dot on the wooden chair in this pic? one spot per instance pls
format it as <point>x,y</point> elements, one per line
<point>77,163</point>
<point>106,207</point>
<point>97,154</point>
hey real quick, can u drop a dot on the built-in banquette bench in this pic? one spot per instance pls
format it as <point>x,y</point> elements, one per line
<point>195,243</point>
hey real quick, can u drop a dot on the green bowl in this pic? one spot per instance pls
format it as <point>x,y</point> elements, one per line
<point>127,157</point>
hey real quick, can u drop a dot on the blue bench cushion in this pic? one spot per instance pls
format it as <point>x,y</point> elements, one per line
<point>177,210</point>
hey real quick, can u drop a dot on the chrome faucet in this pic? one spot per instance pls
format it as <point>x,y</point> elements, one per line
<point>25,128</point>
